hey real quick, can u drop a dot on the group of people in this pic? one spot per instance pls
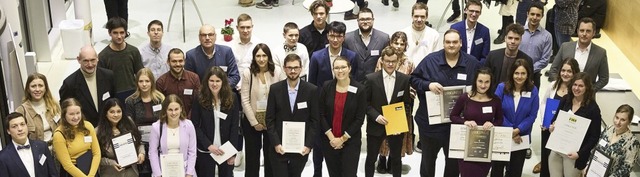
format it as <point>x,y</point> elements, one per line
<point>328,80</point>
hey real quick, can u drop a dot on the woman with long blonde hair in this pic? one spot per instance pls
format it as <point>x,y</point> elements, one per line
<point>39,108</point>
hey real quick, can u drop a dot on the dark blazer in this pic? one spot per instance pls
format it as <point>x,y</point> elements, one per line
<point>279,109</point>
<point>366,62</point>
<point>597,64</point>
<point>12,165</point>
<point>479,50</point>
<point>75,86</point>
<point>203,120</point>
<point>353,113</point>
<point>320,65</point>
<point>377,98</point>
<point>494,62</point>
<point>590,111</point>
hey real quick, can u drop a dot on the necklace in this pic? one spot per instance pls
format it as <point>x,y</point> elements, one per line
<point>415,36</point>
<point>173,131</point>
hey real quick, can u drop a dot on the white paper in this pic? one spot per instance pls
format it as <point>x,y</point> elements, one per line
<point>502,141</point>
<point>188,92</point>
<point>375,52</point>
<point>352,89</point>
<point>400,93</point>
<point>293,134</point>
<point>228,149</point>
<point>145,132</point>
<point>568,134</point>
<point>125,150</point>
<point>457,141</point>
<point>598,166</point>
<point>523,145</point>
<point>434,103</point>
<point>172,165</point>
<point>462,76</point>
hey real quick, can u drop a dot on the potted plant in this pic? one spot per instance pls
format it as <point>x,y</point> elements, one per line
<point>227,31</point>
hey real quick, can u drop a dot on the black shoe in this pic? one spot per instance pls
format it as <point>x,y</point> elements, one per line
<point>499,39</point>
<point>418,147</point>
<point>365,5</point>
<point>499,31</point>
<point>528,156</point>
<point>382,165</point>
<point>453,17</point>
<point>429,24</point>
<point>396,4</point>
<point>385,2</point>
<point>350,16</point>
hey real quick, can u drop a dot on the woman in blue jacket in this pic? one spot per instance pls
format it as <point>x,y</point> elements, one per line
<point>520,104</point>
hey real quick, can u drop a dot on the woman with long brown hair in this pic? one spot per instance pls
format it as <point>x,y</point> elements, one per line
<point>39,108</point>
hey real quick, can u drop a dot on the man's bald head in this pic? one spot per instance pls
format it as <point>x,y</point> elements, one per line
<point>88,59</point>
<point>207,36</point>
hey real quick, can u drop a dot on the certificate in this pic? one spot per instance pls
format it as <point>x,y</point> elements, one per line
<point>172,165</point>
<point>293,136</point>
<point>228,150</point>
<point>145,132</point>
<point>444,103</point>
<point>502,143</point>
<point>396,118</point>
<point>457,141</point>
<point>125,150</point>
<point>569,132</point>
<point>549,111</point>
<point>478,147</point>
<point>523,145</point>
<point>599,164</point>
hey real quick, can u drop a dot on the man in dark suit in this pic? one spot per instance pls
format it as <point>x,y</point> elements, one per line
<point>321,64</point>
<point>475,36</point>
<point>367,42</point>
<point>499,61</point>
<point>90,85</point>
<point>24,157</point>
<point>591,57</point>
<point>291,100</point>
<point>395,86</point>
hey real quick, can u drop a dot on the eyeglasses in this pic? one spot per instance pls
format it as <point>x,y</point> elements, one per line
<point>297,68</point>
<point>335,36</point>
<point>340,68</point>
<point>207,35</point>
<point>389,62</point>
<point>365,19</point>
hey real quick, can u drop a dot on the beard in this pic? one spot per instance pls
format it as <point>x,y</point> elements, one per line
<point>362,30</point>
<point>293,78</point>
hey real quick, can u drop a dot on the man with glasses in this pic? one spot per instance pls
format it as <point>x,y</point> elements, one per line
<point>321,70</point>
<point>121,58</point>
<point>367,42</point>
<point>209,54</point>
<point>395,88</point>
<point>90,85</point>
<point>446,67</point>
<point>154,52</point>
<point>421,39</point>
<point>475,36</point>
<point>314,35</point>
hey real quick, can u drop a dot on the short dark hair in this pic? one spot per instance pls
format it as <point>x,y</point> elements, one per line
<point>473,2</point>
<point>116,22</point>
<point>318,3</point>
<point>288,26</point>
<point>11,116</point>
<point>154,22</point>
<point>537,5</point>
<point>418,6</point>
<point>516,28</point>
<point>290,58</point>
<point>337,27</point>
<point>366,10</point>
<point>588,20</point>
<point>175,51</point>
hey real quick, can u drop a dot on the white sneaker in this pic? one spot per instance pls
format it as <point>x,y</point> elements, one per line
<point>239,158</point>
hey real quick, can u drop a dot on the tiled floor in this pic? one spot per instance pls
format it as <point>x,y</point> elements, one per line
<point>268,27</point>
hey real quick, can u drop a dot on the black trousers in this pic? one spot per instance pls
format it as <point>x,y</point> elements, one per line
<point>373,148</point>
<point>343,162</point>
<point>455,5</point>
<point>206,166</point>
<point>318,156</point>
<point>255,140</point>
<point>287,165</point>
<point>544,166</point>
<point>430,149</point>
<point>513,167</point>
<point>536,79</point>
<point>117,8</point>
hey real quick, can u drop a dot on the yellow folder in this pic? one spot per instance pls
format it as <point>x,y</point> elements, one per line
<point>396,118</point>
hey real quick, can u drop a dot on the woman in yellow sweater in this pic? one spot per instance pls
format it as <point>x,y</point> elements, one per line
<point>75,143</point>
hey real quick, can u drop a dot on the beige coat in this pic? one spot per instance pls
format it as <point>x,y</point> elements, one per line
<point>34,121</point>
<point>249,100</point>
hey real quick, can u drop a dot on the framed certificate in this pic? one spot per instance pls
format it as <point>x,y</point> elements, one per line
<point>125,150</point>
<point>599,165</point>
<point>440,106</point>
<point>479,145</point>
<point>172,165</point>
<point>293,136</point>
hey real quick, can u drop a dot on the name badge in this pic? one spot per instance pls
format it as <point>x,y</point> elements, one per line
<point>462,76</point>
<point>224,68</point>
<point>43,158</point>
<point>188,92</point>
<point>221,115</point>
<point>105,96</point>
<point>352,89</point>
<point>400,93</point>
<point>88,139</point>
<point>478,41</point>
<point>375,52</point>
<point>526,94</point>
<point>56,119</point>
<point>302,105</point>
<point>603,143</point>
<point>487,109</point>
<point>157,107</point>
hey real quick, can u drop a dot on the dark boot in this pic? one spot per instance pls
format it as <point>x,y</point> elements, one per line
<point>382,165</point>
<point>396,4</point>
<point>385,2</point>
<point>499,39</point>
<point>453,17</point>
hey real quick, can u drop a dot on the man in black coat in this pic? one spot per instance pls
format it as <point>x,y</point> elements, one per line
<point>24,157</point>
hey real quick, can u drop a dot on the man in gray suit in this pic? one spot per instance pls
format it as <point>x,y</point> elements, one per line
<point>591,57</point>
<point>367,42</point>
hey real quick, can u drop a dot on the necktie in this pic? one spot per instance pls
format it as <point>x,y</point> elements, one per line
<point>24,147</point>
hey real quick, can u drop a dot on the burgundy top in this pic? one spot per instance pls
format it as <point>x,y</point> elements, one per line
<point>148,114</point>
<point>481,112</point>
<point>168,84</point>
<point>338,109</point>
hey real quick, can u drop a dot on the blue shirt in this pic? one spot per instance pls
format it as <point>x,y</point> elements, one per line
<point>434,68</point>
<point>523,117</point>
<point>537,45</point>
<point>198,62</point>
<point>293,94</point>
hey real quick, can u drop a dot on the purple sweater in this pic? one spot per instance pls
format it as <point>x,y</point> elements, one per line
<point>467,109</point>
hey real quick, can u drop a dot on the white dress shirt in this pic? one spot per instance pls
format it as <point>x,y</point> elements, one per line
<point>582,56</point>
<point>471,31</point>
<point>389,81</point>
<point>27,158</point>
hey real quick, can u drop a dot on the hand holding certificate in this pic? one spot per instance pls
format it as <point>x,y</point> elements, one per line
<point>125,150</point>
<point>569,132</point>
<point>440,105</point>
<point>293,136</point>
<point>396,118</point>
<point>228,150</point>
<point>480,145</point>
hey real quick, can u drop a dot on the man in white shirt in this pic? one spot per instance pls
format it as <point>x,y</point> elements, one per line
<point>421,39</point>
<point>291,46</point>
<point>24,157</point>
<point>154,53</point>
